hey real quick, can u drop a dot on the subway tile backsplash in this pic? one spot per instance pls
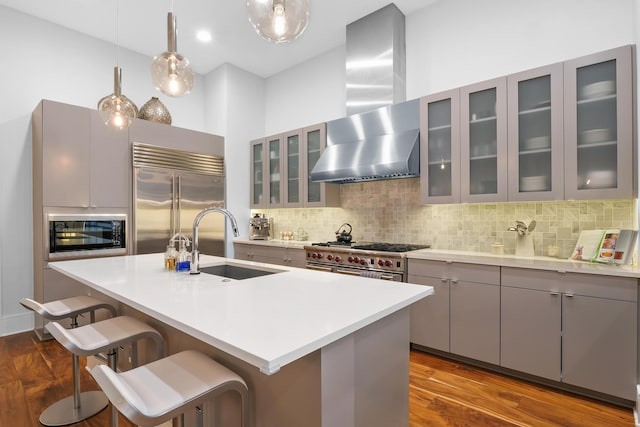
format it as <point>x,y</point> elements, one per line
<point>391,211</point>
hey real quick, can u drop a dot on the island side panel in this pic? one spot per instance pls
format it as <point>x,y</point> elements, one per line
<point>365,376</point>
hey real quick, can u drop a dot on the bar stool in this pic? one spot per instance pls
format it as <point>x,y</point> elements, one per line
<point>79,406</point>
<point>107,335</point>
<point>164,389</point>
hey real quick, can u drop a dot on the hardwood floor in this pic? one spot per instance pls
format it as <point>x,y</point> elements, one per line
<point>447,393</point>
<point>35,374</point>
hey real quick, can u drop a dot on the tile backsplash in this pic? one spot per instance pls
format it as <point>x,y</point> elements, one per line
<point>391,211</point>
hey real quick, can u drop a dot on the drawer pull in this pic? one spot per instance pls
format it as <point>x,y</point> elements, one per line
<point>569,295</point>
<point>454,281</point>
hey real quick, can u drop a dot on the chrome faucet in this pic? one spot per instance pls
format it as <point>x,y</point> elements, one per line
<point>195,261</point>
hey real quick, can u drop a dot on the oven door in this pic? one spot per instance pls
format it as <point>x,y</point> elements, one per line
<point>72,236</point>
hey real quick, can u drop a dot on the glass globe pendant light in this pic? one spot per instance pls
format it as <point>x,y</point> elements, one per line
<point>279,21</point>
<point>116,110</point>
<point>171,72</point>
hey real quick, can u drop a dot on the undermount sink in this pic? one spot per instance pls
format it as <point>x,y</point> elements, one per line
<point>237,272</point>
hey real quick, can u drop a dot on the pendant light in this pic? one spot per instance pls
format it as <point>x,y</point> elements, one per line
<point>171,72</point>
<point>279,21</point>
<point>116,110</point>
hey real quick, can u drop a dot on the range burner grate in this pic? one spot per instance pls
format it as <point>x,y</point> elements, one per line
<point>390,247</point>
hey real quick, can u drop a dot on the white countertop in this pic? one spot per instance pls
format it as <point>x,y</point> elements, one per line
<point>538,262</point>
<point>267,321</point>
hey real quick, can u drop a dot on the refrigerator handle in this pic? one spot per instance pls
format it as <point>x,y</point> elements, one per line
<point>172,211</point>
<point>178,211</point>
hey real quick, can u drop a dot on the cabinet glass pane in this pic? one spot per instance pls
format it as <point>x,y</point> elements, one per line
<point>439,148</point>
<point>483,146</point>
<point>313,154</point>
<point>597,126</point>
<point>274,171</point>
<point>257,174</point>
<point>293,174</point>
<point>534,134</point>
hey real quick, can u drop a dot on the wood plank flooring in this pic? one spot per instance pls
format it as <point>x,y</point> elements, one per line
<point>35,374</point>
<point>448,393</point>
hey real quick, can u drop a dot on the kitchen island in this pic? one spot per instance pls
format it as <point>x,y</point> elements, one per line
<point>316,349</point>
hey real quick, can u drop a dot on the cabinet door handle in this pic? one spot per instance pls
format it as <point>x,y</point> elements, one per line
<point>569,295</point>
<point>454,281</point>
<point>554,293</point>
<point>443,279</point>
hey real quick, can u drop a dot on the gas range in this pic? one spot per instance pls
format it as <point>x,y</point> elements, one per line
<point>376,260</point>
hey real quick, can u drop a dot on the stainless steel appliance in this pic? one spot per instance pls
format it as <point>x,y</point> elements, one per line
<point>73,236</point>
<point>259,227</point>
<point>386,261</point>
<point>170,188</point>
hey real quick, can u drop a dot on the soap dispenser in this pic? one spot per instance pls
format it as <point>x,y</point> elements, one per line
<point>184,257</point>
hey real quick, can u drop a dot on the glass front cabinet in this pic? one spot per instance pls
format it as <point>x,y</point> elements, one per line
<point>440,147</point>
<point>266,170</point>
<point>598,125</point>
<point>535,134</point>
<point>280,171</point>
<point>483,146</point>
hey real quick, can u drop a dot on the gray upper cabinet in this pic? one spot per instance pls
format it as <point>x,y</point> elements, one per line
<point>483,147</point>
<point>558,132</point>
<point>81,163</point>
<point>598,129</point>
<point>316,194</point>
<point>440,147</point>
<point>280,171</point>
<point>535,109</point>
<point>267,165</point>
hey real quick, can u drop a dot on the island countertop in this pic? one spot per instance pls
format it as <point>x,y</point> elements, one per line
<point>267,321</point>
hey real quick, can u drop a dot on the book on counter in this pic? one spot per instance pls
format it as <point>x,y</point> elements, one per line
<point>610,246</point>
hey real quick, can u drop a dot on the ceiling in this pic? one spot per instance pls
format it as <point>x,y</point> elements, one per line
<point>143,28</point>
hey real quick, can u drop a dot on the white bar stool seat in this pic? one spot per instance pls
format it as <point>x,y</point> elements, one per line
<point>164,389</point>
<point>79,406</point>
<point>107,335</point>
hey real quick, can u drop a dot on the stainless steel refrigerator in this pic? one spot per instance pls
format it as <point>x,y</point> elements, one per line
<point>170,187</point>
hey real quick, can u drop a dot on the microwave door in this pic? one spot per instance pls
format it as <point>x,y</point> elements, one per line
<point>195,193</point>
<point>154,214</point>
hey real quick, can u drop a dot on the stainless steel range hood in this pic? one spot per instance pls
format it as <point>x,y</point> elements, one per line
<point>382,143</point>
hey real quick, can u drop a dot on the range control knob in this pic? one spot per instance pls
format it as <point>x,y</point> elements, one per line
<point>350,259</point>
<point>363,261</point>
<point>338,258</point>
<point>329,257</point>
<point>356,259</point>
<point>388,263</point>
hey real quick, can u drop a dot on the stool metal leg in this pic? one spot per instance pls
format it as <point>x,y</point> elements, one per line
<point>78,407</point>
<point>113,364</point>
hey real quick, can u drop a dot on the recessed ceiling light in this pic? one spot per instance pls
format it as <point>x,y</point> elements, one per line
<point>204,36</point>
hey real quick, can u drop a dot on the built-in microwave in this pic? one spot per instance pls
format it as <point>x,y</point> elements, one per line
<point>86,235</point>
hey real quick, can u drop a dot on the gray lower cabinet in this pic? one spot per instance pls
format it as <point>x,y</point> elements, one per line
<point>290,257</point>
<point>463,315</point>
<point>580,329</point>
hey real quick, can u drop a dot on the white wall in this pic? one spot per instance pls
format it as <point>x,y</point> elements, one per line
<point>235,109</point>
<point>312,92</point>
<point>456,42</point>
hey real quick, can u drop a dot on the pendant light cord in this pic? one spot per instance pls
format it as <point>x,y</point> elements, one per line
<point>118,33</point>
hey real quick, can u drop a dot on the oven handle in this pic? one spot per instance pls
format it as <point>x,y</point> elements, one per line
<point>358,273</point>
<point>318,268</point>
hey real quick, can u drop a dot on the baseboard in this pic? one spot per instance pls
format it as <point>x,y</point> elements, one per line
<point>16,323</point>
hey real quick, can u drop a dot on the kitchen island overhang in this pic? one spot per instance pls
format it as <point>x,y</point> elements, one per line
<point>359,326</point>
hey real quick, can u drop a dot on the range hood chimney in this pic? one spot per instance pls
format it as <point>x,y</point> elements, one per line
<point>379,138</point>
<point>376,58</point>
